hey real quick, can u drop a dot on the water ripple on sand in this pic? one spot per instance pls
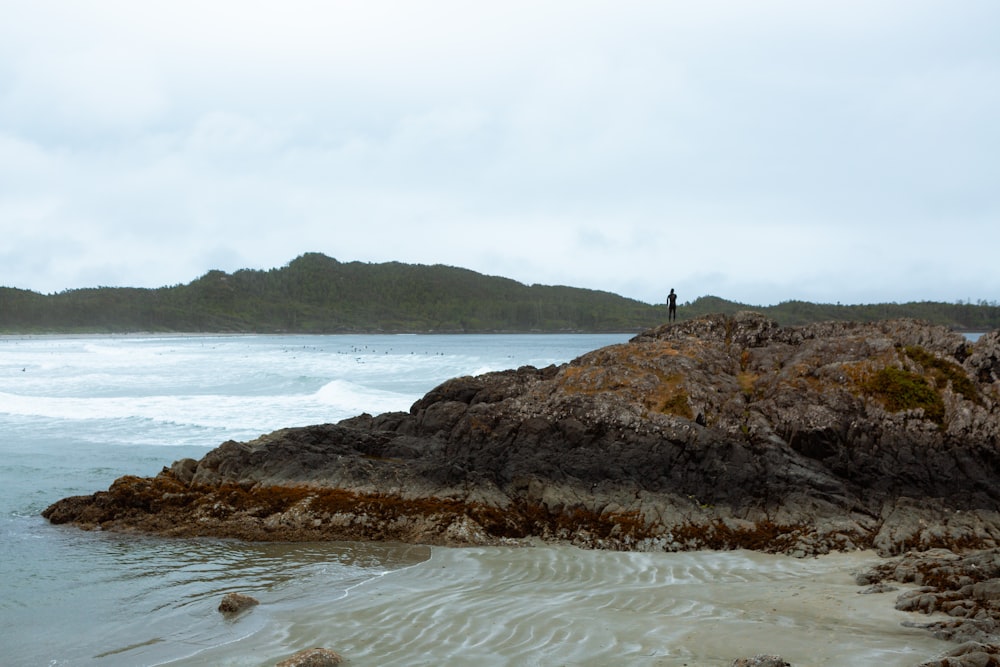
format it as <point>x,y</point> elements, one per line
<point>565,606</point>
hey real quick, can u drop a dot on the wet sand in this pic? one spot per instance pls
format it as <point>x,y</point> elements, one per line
<point>564,606</point>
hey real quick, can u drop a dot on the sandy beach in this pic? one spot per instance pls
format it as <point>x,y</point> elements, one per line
<point>552,605</point>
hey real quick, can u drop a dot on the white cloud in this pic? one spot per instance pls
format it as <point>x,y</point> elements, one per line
<point>82,92</point>
<point>757,151</point>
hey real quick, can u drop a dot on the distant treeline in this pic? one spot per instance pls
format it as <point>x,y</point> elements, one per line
<point>317,294</point>
<point>981,317</point>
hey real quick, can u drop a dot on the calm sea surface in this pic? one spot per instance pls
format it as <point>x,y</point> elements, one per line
<point>78,412</point>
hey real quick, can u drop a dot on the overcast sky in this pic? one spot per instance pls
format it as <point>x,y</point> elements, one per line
<point>759,150</point>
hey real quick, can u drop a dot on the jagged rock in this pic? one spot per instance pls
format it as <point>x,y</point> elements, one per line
<point>184,470</point>
<point>313,657</point>
<point>721,432</point>
<point>235,603</point>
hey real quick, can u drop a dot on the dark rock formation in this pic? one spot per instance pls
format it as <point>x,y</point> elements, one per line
<point>722,432</point>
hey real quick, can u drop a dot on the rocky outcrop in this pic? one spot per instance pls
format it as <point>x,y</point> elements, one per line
<point>965,587</point>
<point>962,590</point>
<point>721,432</point>
<point>969,654</point>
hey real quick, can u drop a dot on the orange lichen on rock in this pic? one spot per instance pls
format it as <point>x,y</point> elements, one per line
<point>646,376</point>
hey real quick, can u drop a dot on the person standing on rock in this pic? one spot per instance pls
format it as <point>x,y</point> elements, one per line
<point>672,306</point>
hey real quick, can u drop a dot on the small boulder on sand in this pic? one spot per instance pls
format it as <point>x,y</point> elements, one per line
<point>760,661</point>
<point>313,657</point>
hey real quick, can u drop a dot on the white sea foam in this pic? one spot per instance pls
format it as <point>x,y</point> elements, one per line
<point>244,385</point>
<point>145,418</point>
<point>350,398</point>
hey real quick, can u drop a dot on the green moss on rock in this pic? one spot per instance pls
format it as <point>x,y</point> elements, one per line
<point>945,372</point>
<point>899,390</point>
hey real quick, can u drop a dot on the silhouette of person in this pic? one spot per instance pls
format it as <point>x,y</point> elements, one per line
<point>672,306</point>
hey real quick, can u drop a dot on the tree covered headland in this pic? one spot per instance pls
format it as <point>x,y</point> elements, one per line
<point>317,294</point>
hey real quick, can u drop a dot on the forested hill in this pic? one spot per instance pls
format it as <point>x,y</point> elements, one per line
<point>317,294</point>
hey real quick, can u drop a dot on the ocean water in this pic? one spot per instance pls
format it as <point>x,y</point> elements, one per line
<point>78,412</point>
